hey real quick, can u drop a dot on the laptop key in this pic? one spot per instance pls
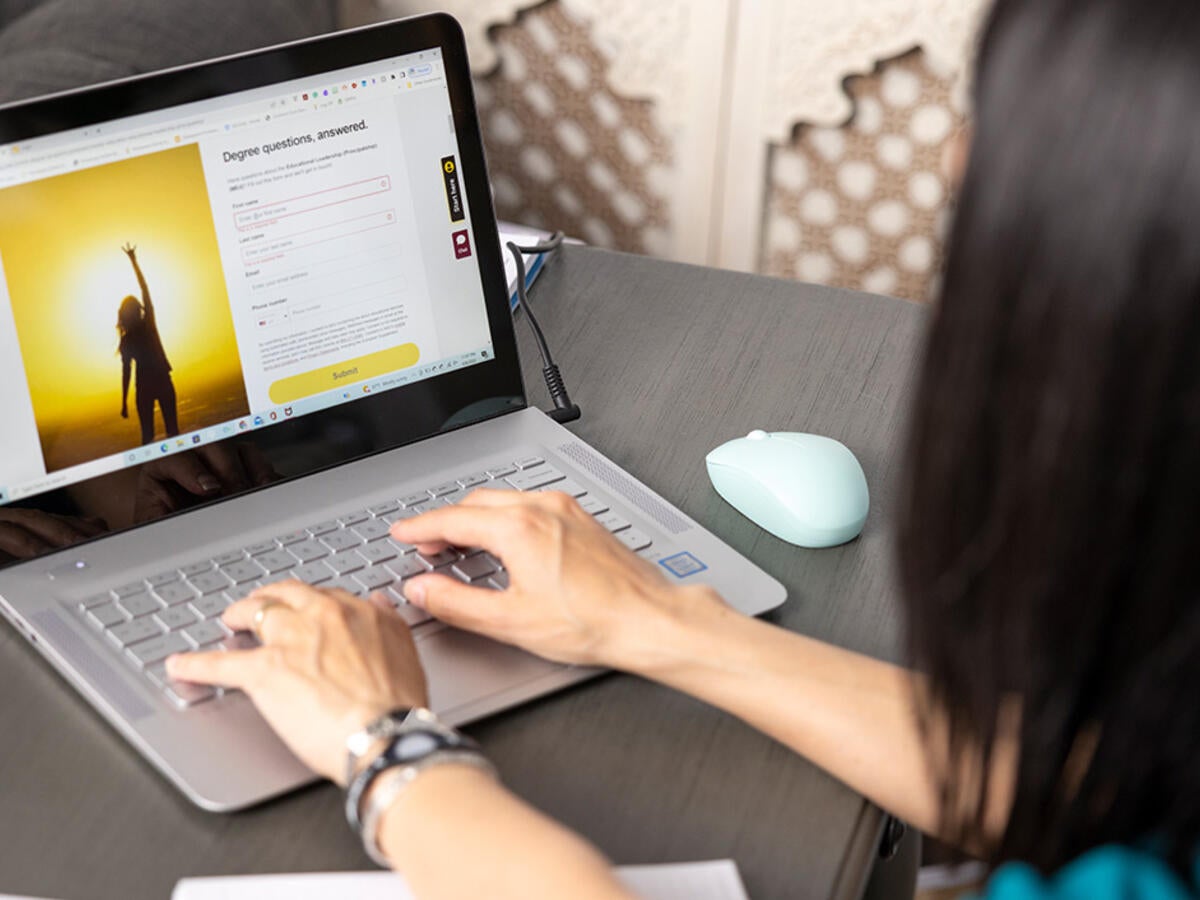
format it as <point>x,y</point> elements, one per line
<point>134,630</point>
<point>156,649</point>
<point>162,578</point>
<point>174,593</point>
<point>95,600</point>
<point>292,537</point>
<point>126,590</point>
<point>354,518</point>
<point>341,540</point>
<point>313,572</point>
<point>105,616</point>
<point>374,578</point>
<point>377,552</point>
<point>499,581</point>
<point>529,462</point>
<point>441,490</point>
<point>382,509</point>
<point>241,591</point>
<point>401,514</point>
<point>473,480</point>
<point>413,615</point>
<point>372,530</point>
<point>276,561</point>
<point>240,640</point>
<point>612,522</point>
<point>502,471</point>
<point>324,527</point>
<point>210,606</point>
<point>634,539</point>
<point>196,568</point>
<point>451,499</point>
<point>345,562</point>
<point>174,618</point>
<point>568,486</point>
<point>406,567</point>
<point>414,499</point>
<point>307,551</point>
<point>139,605</point>
<point>347,584</point>
<point>437,560</point>
<point>539,477</point>
<point>203,634</point>
<point>228,557</point>
<point>242,571</point>
<point>400,547</point>
<point>260,547</point>
<point>474,568</point>
<point>208,582</point>
<point>593,504</point>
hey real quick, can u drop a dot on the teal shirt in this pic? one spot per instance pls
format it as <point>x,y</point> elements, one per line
<point>1106,873</point>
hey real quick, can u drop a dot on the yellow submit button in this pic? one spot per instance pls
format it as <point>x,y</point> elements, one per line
<point>326,378</point>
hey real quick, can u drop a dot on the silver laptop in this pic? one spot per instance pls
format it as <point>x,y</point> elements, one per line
<point>253,312</point>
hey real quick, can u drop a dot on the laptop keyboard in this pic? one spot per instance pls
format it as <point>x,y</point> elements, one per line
<point>180,609</point>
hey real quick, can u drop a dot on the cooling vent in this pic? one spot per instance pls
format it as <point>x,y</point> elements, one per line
<point>612,478</point>
<point>99,674</point>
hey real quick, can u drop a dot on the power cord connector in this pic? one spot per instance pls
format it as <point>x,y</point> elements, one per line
<point>564,410</point>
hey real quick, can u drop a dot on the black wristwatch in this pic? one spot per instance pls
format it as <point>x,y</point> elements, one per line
<point>417,738</point>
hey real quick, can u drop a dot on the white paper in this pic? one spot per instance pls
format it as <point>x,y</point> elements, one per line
<point>715,880</point>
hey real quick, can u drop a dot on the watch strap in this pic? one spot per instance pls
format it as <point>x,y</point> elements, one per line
<point>418,736</point>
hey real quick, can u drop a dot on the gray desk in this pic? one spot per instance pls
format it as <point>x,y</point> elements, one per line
<point>667,362</point>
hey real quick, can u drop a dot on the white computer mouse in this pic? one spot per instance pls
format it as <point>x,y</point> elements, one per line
<point>803,488</point>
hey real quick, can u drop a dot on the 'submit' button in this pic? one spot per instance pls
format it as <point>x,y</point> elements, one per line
<point>327,378</point>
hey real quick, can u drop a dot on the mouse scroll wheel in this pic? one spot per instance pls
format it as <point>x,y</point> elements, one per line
<point>757,435</point>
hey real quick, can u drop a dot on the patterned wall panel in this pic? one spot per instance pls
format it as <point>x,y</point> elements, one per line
<point>865,205</point>
<point>565,151</point>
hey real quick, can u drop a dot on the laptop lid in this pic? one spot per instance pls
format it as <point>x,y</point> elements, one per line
<point>231,274</point>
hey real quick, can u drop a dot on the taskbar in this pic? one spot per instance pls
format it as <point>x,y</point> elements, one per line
<point>256,419</point>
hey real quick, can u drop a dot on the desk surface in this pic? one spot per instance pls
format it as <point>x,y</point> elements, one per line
<point>667,362</point>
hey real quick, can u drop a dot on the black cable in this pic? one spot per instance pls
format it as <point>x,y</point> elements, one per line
<point>564,410</point>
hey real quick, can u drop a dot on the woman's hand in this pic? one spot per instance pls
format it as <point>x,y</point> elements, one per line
<point>181,480</point>
<point>329,664</point>
<point>575,595</point>
<point>26,533</point>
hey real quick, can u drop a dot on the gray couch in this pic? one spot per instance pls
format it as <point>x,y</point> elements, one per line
<point>51,45</point>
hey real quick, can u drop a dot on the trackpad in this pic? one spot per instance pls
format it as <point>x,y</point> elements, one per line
<point>463,668</point>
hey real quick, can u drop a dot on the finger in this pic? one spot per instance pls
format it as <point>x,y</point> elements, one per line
<point>493,497</point>
<point>448,599</point>
<point>227,668</point>
<point>19,543</point>
<point>57,531</point>
<point>277,621</point>
<point>188,471</point>
<point>462,526</point>
<point>378,599</point>
<point>226,465</point>
<point>257,466</point>
<point>293,592</point>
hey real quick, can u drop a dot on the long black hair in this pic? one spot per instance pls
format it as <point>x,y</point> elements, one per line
<point>1049,535</point>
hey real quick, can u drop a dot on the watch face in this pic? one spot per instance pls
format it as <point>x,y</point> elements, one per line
<point>414,745</point>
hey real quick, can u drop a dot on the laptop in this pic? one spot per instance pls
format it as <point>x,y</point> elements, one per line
<point>254,310</point>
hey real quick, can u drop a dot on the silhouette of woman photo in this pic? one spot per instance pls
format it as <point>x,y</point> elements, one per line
<point>141,344</point>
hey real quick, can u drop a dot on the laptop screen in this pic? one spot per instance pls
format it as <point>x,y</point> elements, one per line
<point>207,298</point>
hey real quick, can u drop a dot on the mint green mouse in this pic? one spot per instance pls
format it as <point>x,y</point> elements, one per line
<point>803,488</point>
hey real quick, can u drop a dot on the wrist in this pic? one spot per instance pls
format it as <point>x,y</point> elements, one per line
<point>671,630</point>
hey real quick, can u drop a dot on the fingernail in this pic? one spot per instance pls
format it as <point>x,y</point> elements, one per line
<point>208,483</point>
<point>171,664</point>
<point>414,593</point>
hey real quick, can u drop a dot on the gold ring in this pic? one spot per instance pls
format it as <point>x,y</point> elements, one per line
<point>261,613</point>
